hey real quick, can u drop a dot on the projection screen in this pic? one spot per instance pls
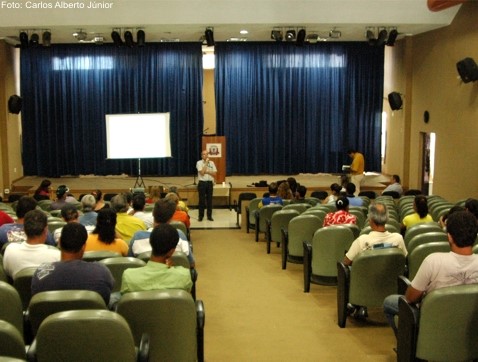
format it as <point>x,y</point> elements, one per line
<point>141,135</point>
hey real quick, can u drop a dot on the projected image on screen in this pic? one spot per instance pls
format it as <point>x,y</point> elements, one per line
<point>137,135</point>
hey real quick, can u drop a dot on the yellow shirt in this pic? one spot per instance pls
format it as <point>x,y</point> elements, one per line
<point>94,244</point>
<point>358,164</point>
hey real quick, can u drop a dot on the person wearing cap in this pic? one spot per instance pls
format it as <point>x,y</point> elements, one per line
<point>89,214</point>
<point>61,193</point>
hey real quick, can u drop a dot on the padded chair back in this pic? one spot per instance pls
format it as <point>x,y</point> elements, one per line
<point>244,196</point>
<point>426,238</point>
<point>319,213</point>
<point>265,213</point>
<point>118,265</point>
<point>168,316</point>
<point>44,304</point>
<point>145,256</point>
<point>180,259</point>
<point>299,207</point>
<point>390,228</point>
<point>301,228</point>
<point>55,224</point>
<point>11,309</point>
<point>359,215</point>
<point>179,225</point>
<point>23,285</point>
<point>252,207</point>
<point>85,335</point>
<point>45,204</point>
<point>354,228</point>
<point>448,320</point>
<point>329,246</point>
<point>374,276</point>
<point>11,341</point>
<point>418,254</point>
<point>100,254</point>
<point>394,194</point>
<point>321,195</point>
<point>280,220</point>
<point>3,275</point>
<point>369,194</point>
<point>420,229</point>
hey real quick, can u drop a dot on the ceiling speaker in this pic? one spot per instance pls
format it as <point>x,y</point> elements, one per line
<point>395,100</point>
<point>468,70</point>
<point>14,104</point>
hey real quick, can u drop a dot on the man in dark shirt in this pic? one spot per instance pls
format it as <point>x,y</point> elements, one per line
<point>73,273</point>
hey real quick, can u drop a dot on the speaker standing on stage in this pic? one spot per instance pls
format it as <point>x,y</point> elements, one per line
<point>206,173</point>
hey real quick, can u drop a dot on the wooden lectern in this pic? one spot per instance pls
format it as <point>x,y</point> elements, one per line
<point>216,147</point>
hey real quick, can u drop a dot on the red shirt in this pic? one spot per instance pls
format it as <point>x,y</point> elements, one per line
<point>5,218</point>
<point>339,217</point>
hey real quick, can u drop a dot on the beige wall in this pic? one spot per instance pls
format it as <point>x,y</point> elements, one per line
<point>434,85</point>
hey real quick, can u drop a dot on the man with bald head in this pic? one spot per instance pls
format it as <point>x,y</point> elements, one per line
<point>378,237</point>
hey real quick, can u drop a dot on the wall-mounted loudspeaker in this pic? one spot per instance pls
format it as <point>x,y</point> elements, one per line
<point>14,104</point>
<point>395,100</point>
<point>467,69</point>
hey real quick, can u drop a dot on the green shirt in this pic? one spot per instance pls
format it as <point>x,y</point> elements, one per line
<point>156,276</point>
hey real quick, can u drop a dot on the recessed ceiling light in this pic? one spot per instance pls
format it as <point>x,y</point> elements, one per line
<point>244,32</point>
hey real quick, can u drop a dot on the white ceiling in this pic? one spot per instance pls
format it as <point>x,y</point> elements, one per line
<point>187,20</point>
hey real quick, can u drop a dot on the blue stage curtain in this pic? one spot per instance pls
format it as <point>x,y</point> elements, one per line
<point>286,109</point>
<point>68,90</point>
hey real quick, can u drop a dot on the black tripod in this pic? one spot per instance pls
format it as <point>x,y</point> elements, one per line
<point>139,179</point>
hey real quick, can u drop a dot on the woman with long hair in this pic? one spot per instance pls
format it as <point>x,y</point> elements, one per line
<point>421,215</point>
<point>103,236</point>
<point>43,191</point>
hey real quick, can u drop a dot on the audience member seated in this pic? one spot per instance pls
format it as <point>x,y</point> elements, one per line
<point>14,233</point>
<point>394,185</point>
<point>342,215</point>
<point>471,205</point>
<point>272,198</point>
<point>179,215</point>
<point>71,272</point>
<point>300,196</point>
<point>61,194</point>
<point>284,191</point>
<point>33,251</point>
<point>163,211</point>
<point>100,203</point>
<point>293,185</point>
<point>344,180</point>
<point>379,237</point>
<point>444,217</point>
<point>69,213</point>
<point>126,225</point>
<point>335,190</point>
<point>353,200</point>
<point>182,205</point>
<point>103,237</point>
<point>43,191</point>
<point>154,194</point>
<point>5,218</point>
<point>139,202</point>
<point>158,273</point>
<point>439,270</point>
<point>420,205</point>
<point>89,214</point>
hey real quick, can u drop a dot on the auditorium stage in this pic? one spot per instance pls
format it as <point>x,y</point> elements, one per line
<point>234,185</point>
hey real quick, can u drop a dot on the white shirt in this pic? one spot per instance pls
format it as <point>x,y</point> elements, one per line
<point>147,218</point>
<point>19,256</point>
<point>210,166</point>
<point>367,241</point>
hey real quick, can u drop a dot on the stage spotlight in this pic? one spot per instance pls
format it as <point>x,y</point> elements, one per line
<point>382,37</point>
<point>300,37</point>
<point>290,35</point>
<point>116,38</point>
<point>23,40</point>
<point>392,36</point>
<point>140,38</point>
<point>276,35</point>
<point>46,38</point>
<point>128,38</point>
<point>369,34</point>
<point>209,34</point>
<point>34,40</point>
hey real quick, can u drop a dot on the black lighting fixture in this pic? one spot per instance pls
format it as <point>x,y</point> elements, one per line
<point>382,38</point>
<point>23,39</point>
<point>140,38</point>
<point>300,37</point>
<point>370,35</point>
<point>392,37</point>
<point>290,35</point>
<point>115,35</point>
<point>467,69</point>
<point>128,38</point>
<point>276,35</point>
<point>46,38</point>
<point>209,34</point>
<point>34,40</point>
